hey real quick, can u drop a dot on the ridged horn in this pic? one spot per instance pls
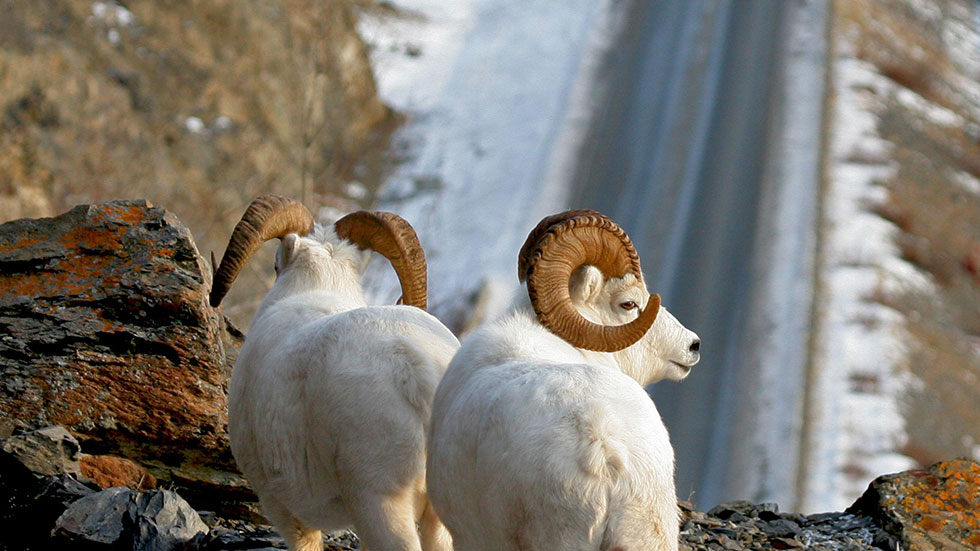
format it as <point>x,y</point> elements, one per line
<point>578,240</point>
<point>267,217</point>
<point>394,238</point>
<point>538,232</point>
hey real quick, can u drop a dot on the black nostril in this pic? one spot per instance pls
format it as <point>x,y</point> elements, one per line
<point>696,346</point>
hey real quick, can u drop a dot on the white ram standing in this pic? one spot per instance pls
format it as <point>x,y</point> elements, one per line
<point>542,436</point>
<point>330,398</point>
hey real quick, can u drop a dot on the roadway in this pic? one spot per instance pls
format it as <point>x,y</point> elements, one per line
<point>677,153</point>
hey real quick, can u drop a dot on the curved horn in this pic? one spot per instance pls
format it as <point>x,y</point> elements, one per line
<point>585,239</point>
<point>268,216</point>
<point>394,238</point>
<point>538,232</point>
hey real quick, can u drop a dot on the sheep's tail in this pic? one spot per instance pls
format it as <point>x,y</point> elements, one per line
<point>600,456</point>
<point>416,376</point>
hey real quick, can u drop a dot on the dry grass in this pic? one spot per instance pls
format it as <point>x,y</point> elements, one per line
<point>938,221</point>
<point>905,44</point>
<point>940,225</point>
<point>938,218</point>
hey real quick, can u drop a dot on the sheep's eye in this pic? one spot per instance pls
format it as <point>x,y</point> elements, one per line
<point>628,305</point>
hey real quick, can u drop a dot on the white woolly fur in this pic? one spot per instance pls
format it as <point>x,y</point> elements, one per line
<point>536,444</point>
<point>330,399</point>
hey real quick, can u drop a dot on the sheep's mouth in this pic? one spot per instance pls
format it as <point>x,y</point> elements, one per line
<point>685,367</point>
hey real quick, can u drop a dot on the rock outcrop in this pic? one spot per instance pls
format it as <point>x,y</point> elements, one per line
<point>932,509</point>
<point>107,332</point>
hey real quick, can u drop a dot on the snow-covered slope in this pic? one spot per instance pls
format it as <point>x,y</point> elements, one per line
<point>495,92</point>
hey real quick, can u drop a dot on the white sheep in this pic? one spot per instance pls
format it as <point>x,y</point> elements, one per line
<point>330,398</point>
<point>542,436</point>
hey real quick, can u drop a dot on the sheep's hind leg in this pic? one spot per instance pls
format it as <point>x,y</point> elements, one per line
<point>298,537</point>
<point>305,539</point>
<point>385,523</point>
<point>434,535</point>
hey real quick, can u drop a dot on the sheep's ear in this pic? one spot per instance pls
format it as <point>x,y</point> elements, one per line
<point>586,284</point>
<point>286,251</point>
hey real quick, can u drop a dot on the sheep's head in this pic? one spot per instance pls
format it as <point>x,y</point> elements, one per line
<point>585,285</point>
<point>318,248</point>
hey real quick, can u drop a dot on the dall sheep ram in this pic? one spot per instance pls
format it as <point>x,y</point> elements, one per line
<point>330,398</point>
<point>542,436</point>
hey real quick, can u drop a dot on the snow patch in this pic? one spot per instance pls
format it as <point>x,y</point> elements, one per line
<point>194,125</point>
<point>413,49</point>
<point>966,181</point>
<point>857,359</point>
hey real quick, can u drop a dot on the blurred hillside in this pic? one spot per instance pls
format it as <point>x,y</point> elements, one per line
<point>932,196</point>
<point>197,106</point>
<point>899,342</point>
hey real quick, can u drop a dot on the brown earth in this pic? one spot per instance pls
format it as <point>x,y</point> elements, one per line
<point>196,105</point>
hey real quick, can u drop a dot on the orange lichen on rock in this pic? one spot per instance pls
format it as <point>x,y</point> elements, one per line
<point>935,508</point>
<point>109,471</point>
<point>108,331</point>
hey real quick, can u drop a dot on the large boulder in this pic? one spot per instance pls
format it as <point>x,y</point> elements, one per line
<point>120,518</point>
<point>107,331</point>
<point>934,509</point>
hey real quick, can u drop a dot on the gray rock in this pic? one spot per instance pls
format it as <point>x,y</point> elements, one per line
<point>744,526</point>
<point>61,491</point>
<point>224,538</point>
<point>121,518</point>
<point>98,518</point>
<point>48,451</point>
<point>164,521</point>
<point>728,543</point>
<point>780,528</point>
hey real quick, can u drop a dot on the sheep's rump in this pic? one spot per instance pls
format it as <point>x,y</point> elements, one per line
<point>348,412</point>
<point>558,449</point>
